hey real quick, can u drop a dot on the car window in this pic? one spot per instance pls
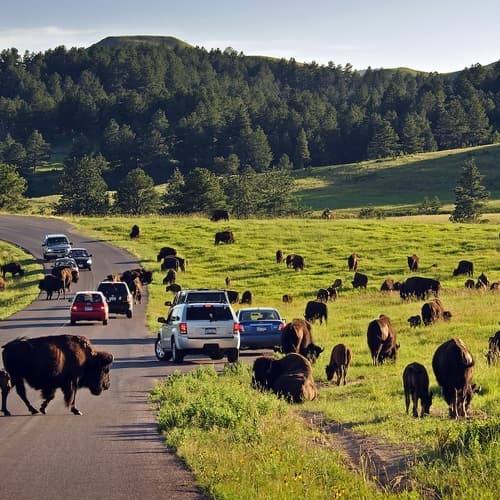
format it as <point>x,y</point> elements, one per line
<point>207,313</point>
<point>57,241</point>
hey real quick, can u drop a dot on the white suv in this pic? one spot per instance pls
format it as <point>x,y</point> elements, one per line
<point>199,328</point>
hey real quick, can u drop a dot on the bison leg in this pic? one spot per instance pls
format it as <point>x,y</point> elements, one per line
<point>415,404</point>
<point>21,391</point>
<point>70,396</point>
<point>48,395</point>
<point>5,393</point>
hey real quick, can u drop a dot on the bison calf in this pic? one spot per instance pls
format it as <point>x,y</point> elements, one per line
<point>416,386</point>
<point>339,363</point>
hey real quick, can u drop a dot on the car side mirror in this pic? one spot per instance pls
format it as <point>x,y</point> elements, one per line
<point>161,319</point>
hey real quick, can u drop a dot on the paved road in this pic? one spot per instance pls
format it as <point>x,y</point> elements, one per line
<point>113,450</point>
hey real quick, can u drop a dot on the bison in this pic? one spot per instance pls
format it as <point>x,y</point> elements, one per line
<point>13,268</point>
<point>298,263</point>
<point>170,262</point>
<point>337,284</point>
<point>290,377</point>
<point>173,287</point>
<point>414,321</point>
<point>381,338</point>
<point>224,237</point>
<point>170,277</point>
<point>165,252</point>
<point>279,256</point>
<point>469,283</point>
<point>316,310</point>
<point>493,353</point>
<point>65,362</point>
<point>433,311</point>
<point>453,367</point>
<point>416,386</point>
<point>412,262</point>
<point>233,296</point>
<point>339,363</point>
<point>352,262</point>
<point>218,215</point>
<point>2,283</point>
<point>322,295</point>
<point>135,231</point>
<point>482,281</point>
<point>360,280</point>
<point>389,285</point>
<point>246,297</point>
<point>464,267</point>
<point>51,284</point>
<point>419,287</point>
<point>296,336</point>
<point>287,298</point>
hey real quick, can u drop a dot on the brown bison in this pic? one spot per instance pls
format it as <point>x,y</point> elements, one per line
<point>298,263</point>
<point>290,377</point>
<point>322,295</point>
<point>67,275</point>
<point>416,386</point>
<point>246,297</point>
<point>493,353</point>
<point>65,362</point>
<point>352,262</point>
<point>482,281</point>
<point>469,283</point>
<point>135,231</point>
<point>464,267</point>
<point>414,321</point>
<point>170,277</point>
<point>339,363</point>
<point>287,298</point>
<point>51,284</point>
<point>289,259</point>
<point>412,262</point>
<point>5,386</point>
<point>453,367</point>
<point>218,215</point>
<point>233,296</point>
<point>170,262</point>
<point>13,268</point>
<point>419,287</point>
<point>296,336</point>
<point>224,237</point>
<point>165,252</point>
<point>279,256</point>
<point>389,285</point>
<point>360,280</point>
<point>433,311</point>
<point>316,309</point>
<point>337,284</point>
<point>173,287</point>
<point>381,338</point>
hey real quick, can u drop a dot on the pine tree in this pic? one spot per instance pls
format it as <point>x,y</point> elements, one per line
<point>12,188</point>
<point>136,194</point>
<point>470,194</point>
<point>37,150</point>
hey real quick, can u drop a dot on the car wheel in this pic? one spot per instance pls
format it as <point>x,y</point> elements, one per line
<point>73,322</point>
<point>233,355</point>
<point>104,322</point>
<point>160,353</point>
<point>129,314</point>
<point>216,355</point>
<point>177,354</point>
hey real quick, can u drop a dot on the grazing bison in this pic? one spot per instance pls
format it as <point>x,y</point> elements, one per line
<point>419,287</point>
<point>170,277</point>
<point>495,285</point>
<point>13,268</point>
<point>327,214</point>
<point>332,293</point>
<point>469,283</point>
<point>412,262</point>
<point>233,296</point>
<point>322,295</point>
<point>482,281</point>
<point>389,285</point>
<point>433,311</point>
<point>65,362</point>
<point>416,386</point>
<point>493,353</point>
<point>165,252</point>
<point>464,267</point>
<point>290,377</point>
<point>218,215</point>
<point>352,262</point>
<point>337,284</point>
<point>296,336</point>
<point>51,284</point>
<point>228,281</point>
<point>170,262</point>
<point>246,297</point>
<point>298,263</point>
<point>360,280</point>
<point>224,237</point>
<point>173,287</point>
<point>339,363</point>
<point>453,366</point>
<point>289,259</point>
<point>414,321</point>
<point>5,386</point>
<point>279,256</point>
<point>381,338</point>
<point>135,232</point>
<point>316,310</point>
<point>287,298</point>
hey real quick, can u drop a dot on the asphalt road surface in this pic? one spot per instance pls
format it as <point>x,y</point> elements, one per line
<point>114,450</point>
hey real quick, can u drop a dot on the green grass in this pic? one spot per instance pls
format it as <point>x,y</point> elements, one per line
<point>372,402</point>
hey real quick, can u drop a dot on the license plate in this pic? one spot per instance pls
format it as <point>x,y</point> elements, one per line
<point>210,330</point>
<point>261,329</point>
<point>112,298</point>
<point>88,308</point>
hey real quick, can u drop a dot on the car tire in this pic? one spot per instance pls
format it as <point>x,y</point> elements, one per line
<point>177,354</point>
<point>72,322</point>
<point>129,314</point>
<point>216,355</point>
<point>233,355</point>
<point>161,354</point>
<point>104,322</point>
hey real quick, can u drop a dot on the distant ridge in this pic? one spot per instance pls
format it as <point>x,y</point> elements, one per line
<point>117,41</point>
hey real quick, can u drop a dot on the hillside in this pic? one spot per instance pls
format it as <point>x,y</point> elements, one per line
<point>118,41</point>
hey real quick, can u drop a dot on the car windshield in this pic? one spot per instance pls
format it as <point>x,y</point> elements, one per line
<point>79,253</point>
<point>88,297</point>
<point>257,315</point>
<point>193,297</point>
<point>112,288</point>
<point>208,313</point>
<point>57,241</point>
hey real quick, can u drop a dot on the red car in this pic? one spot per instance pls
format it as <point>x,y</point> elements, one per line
<point>89,306</point>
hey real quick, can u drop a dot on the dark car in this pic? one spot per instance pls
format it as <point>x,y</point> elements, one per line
<point>260,328</point>
<point>118,296</point>
<point>82,257</point>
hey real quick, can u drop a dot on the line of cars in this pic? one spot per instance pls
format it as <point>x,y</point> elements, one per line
<point>202,321</point>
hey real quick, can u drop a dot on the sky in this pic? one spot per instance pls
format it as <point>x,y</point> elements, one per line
<point>438,35</point>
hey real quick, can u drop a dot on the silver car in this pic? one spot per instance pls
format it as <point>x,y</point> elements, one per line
<point>200,328</point>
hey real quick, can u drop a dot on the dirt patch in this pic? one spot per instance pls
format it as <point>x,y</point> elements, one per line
<point>378,461</point>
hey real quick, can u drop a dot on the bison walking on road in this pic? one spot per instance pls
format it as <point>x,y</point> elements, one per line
<point>65,362</point>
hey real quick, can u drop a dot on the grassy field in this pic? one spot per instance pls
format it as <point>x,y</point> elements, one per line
<point>371,403</point>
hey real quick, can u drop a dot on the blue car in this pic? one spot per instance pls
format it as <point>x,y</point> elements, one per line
<point>260,328</point>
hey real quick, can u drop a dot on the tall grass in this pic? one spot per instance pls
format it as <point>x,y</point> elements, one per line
<point>372,402</point>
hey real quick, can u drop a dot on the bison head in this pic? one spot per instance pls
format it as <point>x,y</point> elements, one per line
<point>312,352</point>
<point>261,372</point>
<point>96,375</point>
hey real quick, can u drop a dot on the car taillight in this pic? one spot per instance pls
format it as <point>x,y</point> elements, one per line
<point>183,328</point>
<point>74,308</point>
<point>237,328</point>
<point>101,307</point>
